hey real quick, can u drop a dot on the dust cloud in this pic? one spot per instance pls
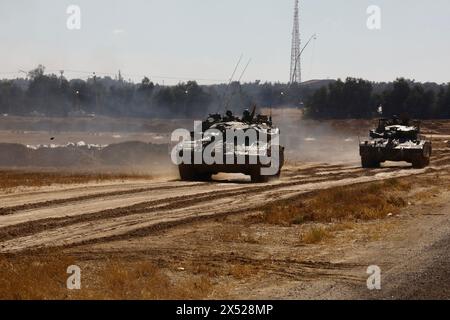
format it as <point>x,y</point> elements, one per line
<point>142,145</point>
<point>318,141</point>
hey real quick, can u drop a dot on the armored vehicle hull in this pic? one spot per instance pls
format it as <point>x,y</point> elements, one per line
<point>248,146</point>
<point>396,141</point>
<point>373,153</point>
<point>203,172</point>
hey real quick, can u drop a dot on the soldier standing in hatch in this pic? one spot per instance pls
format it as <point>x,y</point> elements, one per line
<point>247,116</point>
<point>229,116</point>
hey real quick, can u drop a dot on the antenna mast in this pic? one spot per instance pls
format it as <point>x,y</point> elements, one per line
<point>225,106</point>
<point>296,72</point>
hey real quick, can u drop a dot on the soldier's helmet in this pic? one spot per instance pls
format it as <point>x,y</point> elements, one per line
<point>395,120</point>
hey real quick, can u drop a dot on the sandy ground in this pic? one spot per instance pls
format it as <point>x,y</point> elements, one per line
<point>103,213</point>
<point>183,226</point>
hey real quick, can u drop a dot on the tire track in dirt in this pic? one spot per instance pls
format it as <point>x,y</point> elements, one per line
<point>11,231</point>
<point>29,215</point>
<point>146,222</point>
<point>55,192</point>
<point>12,210</point>
<point>284,267</point>
<point>7,210</point>
<point>93,207</point>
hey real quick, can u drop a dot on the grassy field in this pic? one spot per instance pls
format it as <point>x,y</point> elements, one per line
<point>109,279</point>
<point>341,204</point>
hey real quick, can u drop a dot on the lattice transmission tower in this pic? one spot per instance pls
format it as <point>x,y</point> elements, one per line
<point>296,71</point>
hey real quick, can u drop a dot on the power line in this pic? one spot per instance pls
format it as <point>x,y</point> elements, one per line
<point>85,72</point>
<point>142,75</point>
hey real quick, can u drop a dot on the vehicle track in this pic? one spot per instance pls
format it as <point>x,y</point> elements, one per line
<point>34,221</point>
<point>12,203</point>
<point>284,267</point>
<point>36,205</point>
<point>53,226</point>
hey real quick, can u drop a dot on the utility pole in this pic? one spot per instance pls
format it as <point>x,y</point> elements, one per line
<point>96,93</point>
<point>61,78</point>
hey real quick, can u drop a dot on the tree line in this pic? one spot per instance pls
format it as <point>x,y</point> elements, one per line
<point>358,98</point>
<point>42,94</point>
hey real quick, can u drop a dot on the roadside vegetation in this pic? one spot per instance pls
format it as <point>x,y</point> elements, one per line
<point>110,279</point>
<point>349,203</point>
<point>320,215</point>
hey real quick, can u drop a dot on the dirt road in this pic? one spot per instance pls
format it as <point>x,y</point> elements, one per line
<point>107,212</point>
<point>201,227</point>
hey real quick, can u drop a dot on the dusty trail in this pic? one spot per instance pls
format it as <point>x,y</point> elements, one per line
<point>46,196</point>
<point>180,228</point>
<point>126,212</point>
<point>54,195</point>
<point>130,194</point>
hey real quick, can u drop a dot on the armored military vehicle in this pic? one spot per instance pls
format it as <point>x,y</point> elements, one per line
<point>258,140</point>
<point>396,140</point>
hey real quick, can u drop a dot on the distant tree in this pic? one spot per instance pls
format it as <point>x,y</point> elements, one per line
<point>443,102</point>
<point>317,105</point>
<point>37,72</point>
<point>395,100</point>
<point>48,94</point>
<point>420,102</point>
<point>11,98</point>
<point>349,99</point>
<point>146,84</point>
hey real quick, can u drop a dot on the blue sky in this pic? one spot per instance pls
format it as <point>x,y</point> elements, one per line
<point>202,39</point>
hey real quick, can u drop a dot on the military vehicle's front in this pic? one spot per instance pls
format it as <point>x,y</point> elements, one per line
<point>393,141</point>
<point>233,146</point>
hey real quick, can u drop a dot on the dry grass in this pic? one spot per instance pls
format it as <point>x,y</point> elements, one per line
<point>44,277</point>
<point>243,271</point>
<point>13,179</point>
<point>28,278</point>
<point>235,233</point>
<point>425,196</point>
<point>143,280</point>
<point>342,226</point>
<point>378,232</point>
<point>359,202</point>
<point>315,234</point>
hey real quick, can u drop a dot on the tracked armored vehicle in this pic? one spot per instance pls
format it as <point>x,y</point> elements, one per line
<point>237,145</point>
<point>396,140</point>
